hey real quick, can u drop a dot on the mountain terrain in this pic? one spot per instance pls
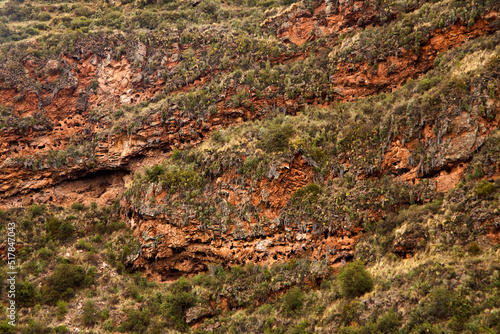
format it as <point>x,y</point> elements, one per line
<point>251,166</point>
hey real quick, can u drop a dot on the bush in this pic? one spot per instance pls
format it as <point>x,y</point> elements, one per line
<point>61,329</point>
<point>354,280</point>
<point>307,194</point>
<point>250,165</point>
<point>153,174</point>
<point>44,253</point>
<point>178,301</point>
<point>350,313</point>
<point>218,137</point>
<point>388,323</point>
<point>62,309</point>
<point>473,248</point>
<point>137,321</point>
<point>5,328</point>
<point>96,239</point>
<point>427,83</point>
<point>89,316</point>
<point>36,210</point>
<point>478,170</point>
<point>62,283</point>
<point>108,228</point>
<point>77,206</point>
<point>174,180</point>
<point>276,137</point>
<point>58,229</point>
<point>44,16</point>
<point>440,304</point>
<point>84,245</point>
<point>484,188</point>
<point>25,294</point>
<point>293,300</point>
<point>265,309</point>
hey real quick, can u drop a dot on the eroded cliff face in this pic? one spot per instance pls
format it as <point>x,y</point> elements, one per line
<point>179,243</point>
<point>60,147</point>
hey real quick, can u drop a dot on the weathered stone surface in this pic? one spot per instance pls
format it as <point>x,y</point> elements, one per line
<point>53,67</point>
<point>196,313</point>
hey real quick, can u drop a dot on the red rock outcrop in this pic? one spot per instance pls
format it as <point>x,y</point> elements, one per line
<point>170,248</point>
<point>69,154</point>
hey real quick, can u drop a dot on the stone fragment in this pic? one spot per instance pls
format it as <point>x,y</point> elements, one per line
<point>52,67</point>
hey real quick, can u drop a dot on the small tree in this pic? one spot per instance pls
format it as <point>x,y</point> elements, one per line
<point>61,284</point>
<point>354,280</point>
<point>293,300</point>
<point>89,316</point>
<point>179,301</point>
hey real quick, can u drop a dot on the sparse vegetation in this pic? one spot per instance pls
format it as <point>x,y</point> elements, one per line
<point>347,147</point>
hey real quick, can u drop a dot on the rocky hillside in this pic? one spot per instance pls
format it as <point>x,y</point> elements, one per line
<point>252,166</point>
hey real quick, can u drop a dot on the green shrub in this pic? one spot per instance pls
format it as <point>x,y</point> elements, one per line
<point>250,165</point>
<point>493,320</point>
<point>59,229</point>
<point>427,328</point>
<point>265,309</point>
<point>473,248</point>
<point>204,280</point>
<point>83,11</point>
<point>176,154</point>
<point>293,300</point>
<point>218,137</point>
<point>153,174</point>
<point>36,210</point>
<point>276,137</point>
<point>90,275</point>
<point>61,329</point>
<point>483,188</point>
<point>439,304</point>
<point>354,280</point>
<point>44,16</point>
<point>137,321</point>
<point>478,170</point>
<point>62,309</point>
<point>26,294</point>
<point>44,253</point>
<point>109,326</point>
<point>299,329</point>
<point>89,316</point>
<point>350,313</point>
<point>96,239</point>
<point>307,194</point>
<point>237,272</point>
<point>147,20</point>
<point>177,179</point>
<point>178,301</point>
<point>62,283</point>
<point>427,83</point>
<point>84,245</point>
<point>461,310</point>
<point>388,323</point>
<point>5,328</point>
<point>77,206</point>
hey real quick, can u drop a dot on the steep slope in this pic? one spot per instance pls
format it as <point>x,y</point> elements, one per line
<point>285,138</point>
<point>63,117</point>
